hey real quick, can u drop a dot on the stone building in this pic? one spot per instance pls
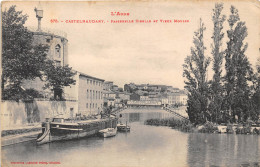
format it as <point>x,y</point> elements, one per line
<point>58,51</point>
<point>87,93</point>
<point>58,45</point>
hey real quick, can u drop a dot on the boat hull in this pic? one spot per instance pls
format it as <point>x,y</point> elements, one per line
<point>109,132</point>
<point>123,128</point>
<point>54,131</point>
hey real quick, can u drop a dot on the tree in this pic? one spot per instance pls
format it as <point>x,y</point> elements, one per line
<point>238,70</point>
<point>21,60</point>
<point>57,77</point>
<point>195,71</point>
<point>256,95</point>
<point>218,55</point>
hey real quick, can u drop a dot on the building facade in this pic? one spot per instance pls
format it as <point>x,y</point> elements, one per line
<point>90,94</point>
<point>177,99</point>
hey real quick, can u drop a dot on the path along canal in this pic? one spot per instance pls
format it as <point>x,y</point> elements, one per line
<point>143,146</point>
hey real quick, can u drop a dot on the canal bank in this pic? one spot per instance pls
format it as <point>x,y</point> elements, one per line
<point>144,146</point>
<point>20,134</point>
<point>209,127</point>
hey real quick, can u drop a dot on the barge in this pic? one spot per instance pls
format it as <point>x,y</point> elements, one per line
<point>58,129</point>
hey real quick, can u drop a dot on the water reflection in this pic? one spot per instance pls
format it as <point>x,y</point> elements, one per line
<point>141,115</point>
<point>222,149</point>
<point>143,146</point>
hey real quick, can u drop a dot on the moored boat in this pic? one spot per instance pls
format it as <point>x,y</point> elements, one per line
<point>60,129</point>
<point>123,127</point>
<point>222,128</point>
<point>108,132</point>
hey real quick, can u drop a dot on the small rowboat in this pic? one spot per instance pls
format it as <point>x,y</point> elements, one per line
<point>123,127</point>
<point>109,132</point>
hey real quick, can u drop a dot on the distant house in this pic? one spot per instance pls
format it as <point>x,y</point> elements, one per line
<point>130,87</point>
<point>143,98</point>
<point>142,87</point>
<point>109,98</point>
<point>135,97</point>
<point>114,88</point>
<point>124,95</point>
<point>109,102</point>
<point>108,85</point>
<point>177,99</point>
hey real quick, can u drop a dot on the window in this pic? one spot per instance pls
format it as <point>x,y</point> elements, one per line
<point>90,94</point>
<point>57,50</point>
<point>57,63</point>
<point>87,81</point>
<point>96,105</point>
<point>87,105</point>
<point>93,94</point>
<point>96,94</point>
<point>91,82</point>
<point>87,94</point>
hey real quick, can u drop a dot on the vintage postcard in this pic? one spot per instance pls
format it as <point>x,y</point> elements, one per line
<point>153,83</point>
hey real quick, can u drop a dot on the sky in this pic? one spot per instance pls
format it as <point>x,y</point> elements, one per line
<point>150,53</point>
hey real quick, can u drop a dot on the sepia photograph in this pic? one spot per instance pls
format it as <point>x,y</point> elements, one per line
<point>130,83</point>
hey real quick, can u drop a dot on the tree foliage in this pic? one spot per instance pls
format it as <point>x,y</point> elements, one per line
<point>238,70</point>
<point>195,71</point>
<point>57,77</point>
<point>218,55</point>
<point>23,60</point>
<point>235,97</point>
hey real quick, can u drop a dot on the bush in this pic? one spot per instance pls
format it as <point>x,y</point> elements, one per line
<point>183,125</point>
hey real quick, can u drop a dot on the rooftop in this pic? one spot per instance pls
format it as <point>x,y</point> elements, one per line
<point>47,31</point>
<point>88,76</point>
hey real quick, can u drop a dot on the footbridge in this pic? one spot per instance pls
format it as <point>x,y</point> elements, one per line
<point>176,113</point>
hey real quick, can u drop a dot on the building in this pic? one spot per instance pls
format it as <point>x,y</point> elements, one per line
<point>177,99</point>
<point>143,98</point>
<point>109,98</point>
<point>108,85</point>
<point>58,52</point>
<point>130,87</point>
<point>142,87</point>
<point>124,95</point>
<point>135,97</point>
<point>114,88</point>
<point>88,91</point>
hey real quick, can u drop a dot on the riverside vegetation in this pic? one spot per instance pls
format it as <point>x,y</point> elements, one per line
<point>229,97</point>
<point>208,127</point>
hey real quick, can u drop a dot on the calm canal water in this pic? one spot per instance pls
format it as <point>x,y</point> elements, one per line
<point>143,146</point>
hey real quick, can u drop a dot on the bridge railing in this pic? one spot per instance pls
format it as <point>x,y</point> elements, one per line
<point>144,103</point>
<point>175,113</point>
